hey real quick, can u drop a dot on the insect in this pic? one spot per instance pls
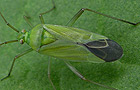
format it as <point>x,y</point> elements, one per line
<point>68,43</point>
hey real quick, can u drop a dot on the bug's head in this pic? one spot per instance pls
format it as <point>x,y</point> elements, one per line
<point>21,36</point>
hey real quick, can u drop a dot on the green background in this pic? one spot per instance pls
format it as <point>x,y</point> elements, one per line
<point>30,71</point>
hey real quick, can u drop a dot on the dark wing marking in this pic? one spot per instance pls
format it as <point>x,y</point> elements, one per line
<point>108,49</point>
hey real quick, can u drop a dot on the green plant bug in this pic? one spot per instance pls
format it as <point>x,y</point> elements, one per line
<point>68,43</point>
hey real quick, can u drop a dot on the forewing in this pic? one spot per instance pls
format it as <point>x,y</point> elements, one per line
<point>77,44</point>
<point>72,34</point>
<point>71,51</point>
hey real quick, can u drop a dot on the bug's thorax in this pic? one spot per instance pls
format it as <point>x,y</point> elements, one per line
<point>37,37</point>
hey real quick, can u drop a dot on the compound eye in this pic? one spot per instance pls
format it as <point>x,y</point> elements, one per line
<point>23,31</point>
<point>21,41</point>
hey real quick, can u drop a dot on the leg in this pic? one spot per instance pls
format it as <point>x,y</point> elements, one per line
<point>73,20</point>
<point>83,78</point>
<point>27,20</point>
<point>9,42</point>
<point>41,14</point>
<point>8,23</point>
<point>49,65</point>
<point>16,57</point>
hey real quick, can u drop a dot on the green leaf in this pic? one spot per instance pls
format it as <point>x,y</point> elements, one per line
<point>30,71</point>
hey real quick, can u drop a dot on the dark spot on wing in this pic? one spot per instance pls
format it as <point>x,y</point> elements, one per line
<point>108,53</point>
